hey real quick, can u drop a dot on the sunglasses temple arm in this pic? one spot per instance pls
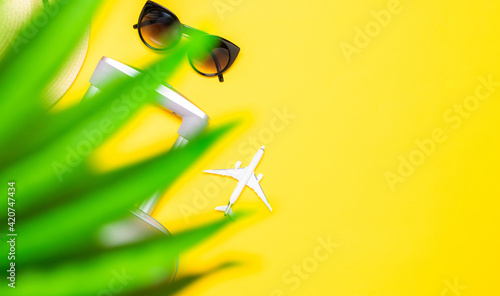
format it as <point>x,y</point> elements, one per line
<point>217,66</point>
<point>190,31</point>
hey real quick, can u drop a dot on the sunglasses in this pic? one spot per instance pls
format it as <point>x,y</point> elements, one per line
<point>161,30</point>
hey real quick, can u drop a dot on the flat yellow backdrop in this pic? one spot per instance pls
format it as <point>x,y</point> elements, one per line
<point>380,120</point>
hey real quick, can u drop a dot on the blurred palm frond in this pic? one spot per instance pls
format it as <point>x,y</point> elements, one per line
<point>60,204</point>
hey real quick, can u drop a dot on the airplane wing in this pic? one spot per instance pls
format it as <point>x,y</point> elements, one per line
<point>233,173</point>
<point>254,184</point>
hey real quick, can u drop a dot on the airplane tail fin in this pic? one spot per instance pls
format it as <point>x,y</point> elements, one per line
<point>225,209</point>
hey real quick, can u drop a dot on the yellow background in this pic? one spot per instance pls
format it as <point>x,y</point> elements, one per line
<point>325,170</point>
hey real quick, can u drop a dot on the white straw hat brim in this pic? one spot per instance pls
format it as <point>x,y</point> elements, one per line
<point>13,15</point>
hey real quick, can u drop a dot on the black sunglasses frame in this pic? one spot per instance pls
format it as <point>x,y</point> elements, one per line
<point>188,32</point>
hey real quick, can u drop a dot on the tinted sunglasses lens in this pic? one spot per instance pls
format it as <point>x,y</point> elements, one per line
<point>160,29</point>
<point>212,61</point>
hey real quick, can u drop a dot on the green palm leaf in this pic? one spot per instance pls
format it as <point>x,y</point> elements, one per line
<point>41,57</point>
<point>61,206</point>
<point>96,270</point>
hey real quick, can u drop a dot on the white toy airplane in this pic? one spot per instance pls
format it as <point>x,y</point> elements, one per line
<point>245,176</point>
